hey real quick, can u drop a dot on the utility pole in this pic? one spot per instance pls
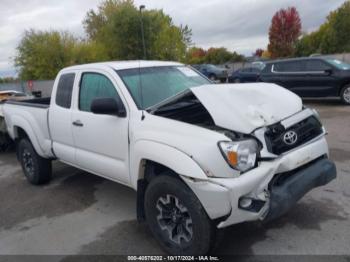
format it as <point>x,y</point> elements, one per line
<point>142,32</point>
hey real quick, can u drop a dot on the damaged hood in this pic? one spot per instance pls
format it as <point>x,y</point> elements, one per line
<point>245,107</point>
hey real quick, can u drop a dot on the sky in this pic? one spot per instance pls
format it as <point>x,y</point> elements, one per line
<point>238,25</point>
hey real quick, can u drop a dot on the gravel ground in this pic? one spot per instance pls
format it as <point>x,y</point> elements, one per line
<point>78,213</point>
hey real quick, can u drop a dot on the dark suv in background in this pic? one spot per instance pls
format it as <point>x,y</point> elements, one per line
<point>310,77</point>
<point>212,72</point>
<point>245,75</point>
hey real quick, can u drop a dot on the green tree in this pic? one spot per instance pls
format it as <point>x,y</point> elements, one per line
<point>113,33</point>
<point>42,54</point>
<point>116,25</point>
<point>337,33</point>
<point>88,52</point>
<point>332,37</point>
<point>309,43</point>
<point>237,57</point>
<point>221,55</point>
<point>195,55</point>
<point>217,55</point>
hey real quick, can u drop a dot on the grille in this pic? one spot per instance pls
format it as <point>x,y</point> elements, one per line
<point>306,130</point>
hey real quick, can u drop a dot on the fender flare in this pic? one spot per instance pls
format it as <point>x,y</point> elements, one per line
<point>18,122</point>
<point>209,194</point>
<point>169,156</point>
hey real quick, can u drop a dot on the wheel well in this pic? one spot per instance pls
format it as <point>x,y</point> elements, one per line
<point>151,170</point>
<point>343,86</point>
<point>20,134</point>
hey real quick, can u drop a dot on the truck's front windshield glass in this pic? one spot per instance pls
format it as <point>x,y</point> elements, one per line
<point>159,83</point>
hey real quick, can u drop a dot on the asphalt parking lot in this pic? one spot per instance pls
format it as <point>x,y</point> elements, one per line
<point>79,213</point>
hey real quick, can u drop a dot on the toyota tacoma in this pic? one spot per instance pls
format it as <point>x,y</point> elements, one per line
<point>201,156</point>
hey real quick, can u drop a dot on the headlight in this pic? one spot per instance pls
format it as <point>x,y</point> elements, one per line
<point>240,155</point>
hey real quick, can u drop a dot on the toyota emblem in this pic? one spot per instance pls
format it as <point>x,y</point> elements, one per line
<point>290,138</point>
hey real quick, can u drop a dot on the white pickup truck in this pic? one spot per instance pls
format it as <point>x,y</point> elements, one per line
<point>201,156</point>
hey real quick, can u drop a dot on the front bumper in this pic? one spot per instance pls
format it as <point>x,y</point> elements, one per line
<point>302,169</point>
<point>285,192</point>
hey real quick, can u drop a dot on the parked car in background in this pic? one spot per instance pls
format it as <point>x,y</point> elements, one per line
<point>258,64</point>
<point>212,72</point>
<point>310,77</point>
<point>244,75</point>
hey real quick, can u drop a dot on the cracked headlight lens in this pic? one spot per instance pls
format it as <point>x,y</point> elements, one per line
<point>240,155</point>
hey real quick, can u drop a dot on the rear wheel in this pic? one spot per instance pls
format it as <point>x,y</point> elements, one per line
<point>176,217</point>
<point>345,94</point>
<point>36,169</point>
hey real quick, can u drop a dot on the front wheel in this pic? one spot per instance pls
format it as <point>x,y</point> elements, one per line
<point>345,95</point>
<point>176,218</point>
<point>36,169</point>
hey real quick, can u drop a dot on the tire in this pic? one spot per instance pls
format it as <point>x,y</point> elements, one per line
<point>345,95</point>
<point>237,81</point>
<point>36,169</point>
<point>169,202</point>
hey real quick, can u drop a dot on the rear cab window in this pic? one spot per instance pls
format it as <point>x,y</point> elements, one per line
<point>64,90</point>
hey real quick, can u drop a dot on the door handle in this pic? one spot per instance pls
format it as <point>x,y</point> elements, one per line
<point>78,123</point>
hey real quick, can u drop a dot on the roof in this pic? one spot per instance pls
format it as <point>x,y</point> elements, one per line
<point>295,59</point>
<point>119,65</point>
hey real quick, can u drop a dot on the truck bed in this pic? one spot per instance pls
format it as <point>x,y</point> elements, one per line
<point>35,102</point>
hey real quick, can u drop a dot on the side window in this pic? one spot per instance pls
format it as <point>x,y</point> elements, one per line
<point>287,67</point>
<point>64,90</point>
<point>94,85</point>
<point>316,66</point>
<point>279,67</point>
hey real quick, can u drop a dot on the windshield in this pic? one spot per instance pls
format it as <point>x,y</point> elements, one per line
<point>159,83</point>
<point>339,64</point>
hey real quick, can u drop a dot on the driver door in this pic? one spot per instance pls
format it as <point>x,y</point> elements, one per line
<point>101,140</point>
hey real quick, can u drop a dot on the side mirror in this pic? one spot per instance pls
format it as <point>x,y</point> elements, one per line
<point>328,71</point>
<point>107,106</point>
